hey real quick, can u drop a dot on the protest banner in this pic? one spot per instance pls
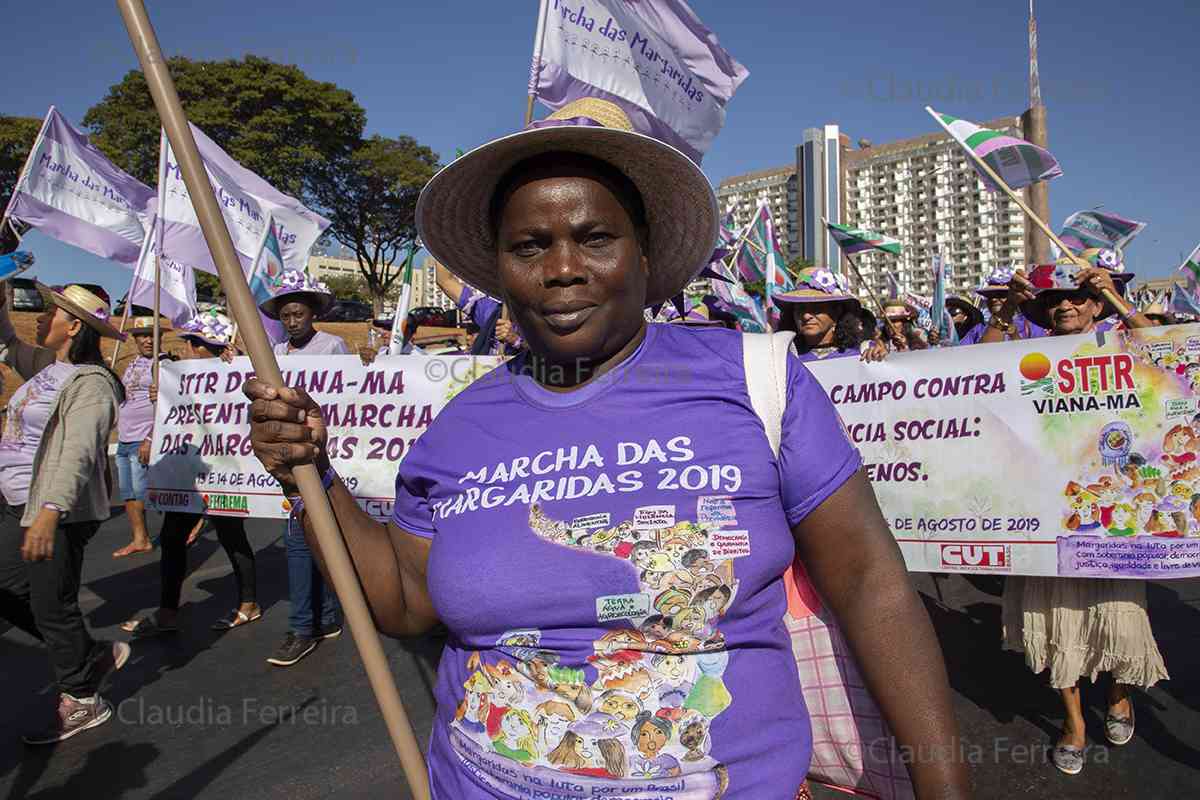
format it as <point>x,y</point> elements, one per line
<point>1070,456</point>
<point>202,460</point>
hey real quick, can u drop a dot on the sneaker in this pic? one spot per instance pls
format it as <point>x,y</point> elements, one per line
<point>329,633</point>
<point>74,716</point>
<point>109,657</point>
<point>292,650</point>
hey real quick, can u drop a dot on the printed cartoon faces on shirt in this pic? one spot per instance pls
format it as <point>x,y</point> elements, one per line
<point>641,706</point>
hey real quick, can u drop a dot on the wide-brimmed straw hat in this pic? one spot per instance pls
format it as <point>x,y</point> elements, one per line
<point>1052,281</point>
<point>292,283</point>
<point>820,285</point>
<point>87,307</point>
<point>210,327</point>
<point>681,209</point>
<point>974,315</point>
<point>146,325</point>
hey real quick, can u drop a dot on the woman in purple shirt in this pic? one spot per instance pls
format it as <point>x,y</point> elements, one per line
<point>134,424</point>
<point>566,515</point>
<point>828,321</point>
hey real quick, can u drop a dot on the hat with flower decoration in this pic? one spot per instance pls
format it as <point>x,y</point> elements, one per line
<point>211,327</point>
<point>293,285</point>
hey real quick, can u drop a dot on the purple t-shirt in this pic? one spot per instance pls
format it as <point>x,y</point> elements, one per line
<point>825,353</point>
<point>28,413</point>
<point>609,562</point>
<point>321,344</point>
<point>1026,327</point>
<point>136,419</point>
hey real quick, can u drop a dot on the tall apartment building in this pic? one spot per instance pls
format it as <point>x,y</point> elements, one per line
<point>821,193</point>
<point>921,191</point>
<point>778,186</point>
<point>924,192</point>
<point>425,289</point>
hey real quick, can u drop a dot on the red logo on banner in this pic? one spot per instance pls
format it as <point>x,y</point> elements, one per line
<point>977,556</point>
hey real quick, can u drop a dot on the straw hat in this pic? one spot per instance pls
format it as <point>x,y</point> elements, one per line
<point>290,285</point>
<point>210,327</point>
<point>681,209</point>
<point>1052,281</point>
<point>974,315</point>
<point>146,325</point>
<point>87,307</point>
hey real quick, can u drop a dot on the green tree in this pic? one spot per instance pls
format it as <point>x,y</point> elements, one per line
<point>798,263</point>
<point>271,118</point>
<point>17,135</point>
<point>348,287</point>
<point>208,285</point>
<point>370,195</point>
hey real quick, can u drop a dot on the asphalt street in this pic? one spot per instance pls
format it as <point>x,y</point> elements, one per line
<point>202,715</point>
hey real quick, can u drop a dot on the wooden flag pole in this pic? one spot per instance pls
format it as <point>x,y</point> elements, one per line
<point>539,36</point>
<point>157,301</point>
<point>128,306</point>
<point>316,502</point>
<point>1117,301</point>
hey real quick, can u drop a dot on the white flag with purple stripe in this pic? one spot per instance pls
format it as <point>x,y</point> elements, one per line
<point>246,202</point>
<point>1016,161</point>
<point>1087,229</point>
<point>71,192</point>
<point>654,58</point>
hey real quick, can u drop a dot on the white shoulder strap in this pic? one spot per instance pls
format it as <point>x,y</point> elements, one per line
<point>764,358</point>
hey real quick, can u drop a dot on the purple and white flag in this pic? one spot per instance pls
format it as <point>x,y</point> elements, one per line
<point>246,202</point>
<point>71,192</point>
<point>1087,229</point>
<point>653,58</point>
<point>177,301</point>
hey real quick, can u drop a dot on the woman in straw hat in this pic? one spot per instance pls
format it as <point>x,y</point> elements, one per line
<point>900,326</point>
<point>54,476</point>
<point>134,424</point>
<point>828,321</point>
<point>1080,627</point>
<point>547,507</point>
<point>208,335</point>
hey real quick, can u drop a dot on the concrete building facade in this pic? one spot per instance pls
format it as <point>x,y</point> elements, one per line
<point>778,187</point>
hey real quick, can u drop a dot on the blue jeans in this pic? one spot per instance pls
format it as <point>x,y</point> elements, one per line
<point>310,596</point>
<point>131,473</point>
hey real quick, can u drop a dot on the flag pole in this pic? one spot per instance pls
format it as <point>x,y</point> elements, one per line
<point>857,274</point>
<point>316,501</point>
<point>157,301</point>
<point>1117,301</point>
<point>539,38</point>
<point>128,304</point>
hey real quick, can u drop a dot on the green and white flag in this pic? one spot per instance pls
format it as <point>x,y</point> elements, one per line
<point>1016,161</point>
<point>855,240</point>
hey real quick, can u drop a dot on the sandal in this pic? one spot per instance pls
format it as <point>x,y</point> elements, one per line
<point>235,620</point>
<point>147,627</point>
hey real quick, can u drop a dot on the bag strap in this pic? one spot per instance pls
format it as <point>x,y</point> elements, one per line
<point>764,359</point>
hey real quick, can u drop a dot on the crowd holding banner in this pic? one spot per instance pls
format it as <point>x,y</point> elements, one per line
<point>1101,423</point>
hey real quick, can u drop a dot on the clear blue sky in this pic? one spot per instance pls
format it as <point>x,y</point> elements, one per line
<point>1119,81</point>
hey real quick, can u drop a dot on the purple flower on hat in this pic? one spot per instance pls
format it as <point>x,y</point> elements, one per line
<point>293,280</point>
<point>1000,276</point>
<point>824,280</point>
<point>1109,259</point>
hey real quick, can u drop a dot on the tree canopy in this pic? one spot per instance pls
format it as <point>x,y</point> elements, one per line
<point>370,195</point>
<point>17,135</point>
<point>271,118</point>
